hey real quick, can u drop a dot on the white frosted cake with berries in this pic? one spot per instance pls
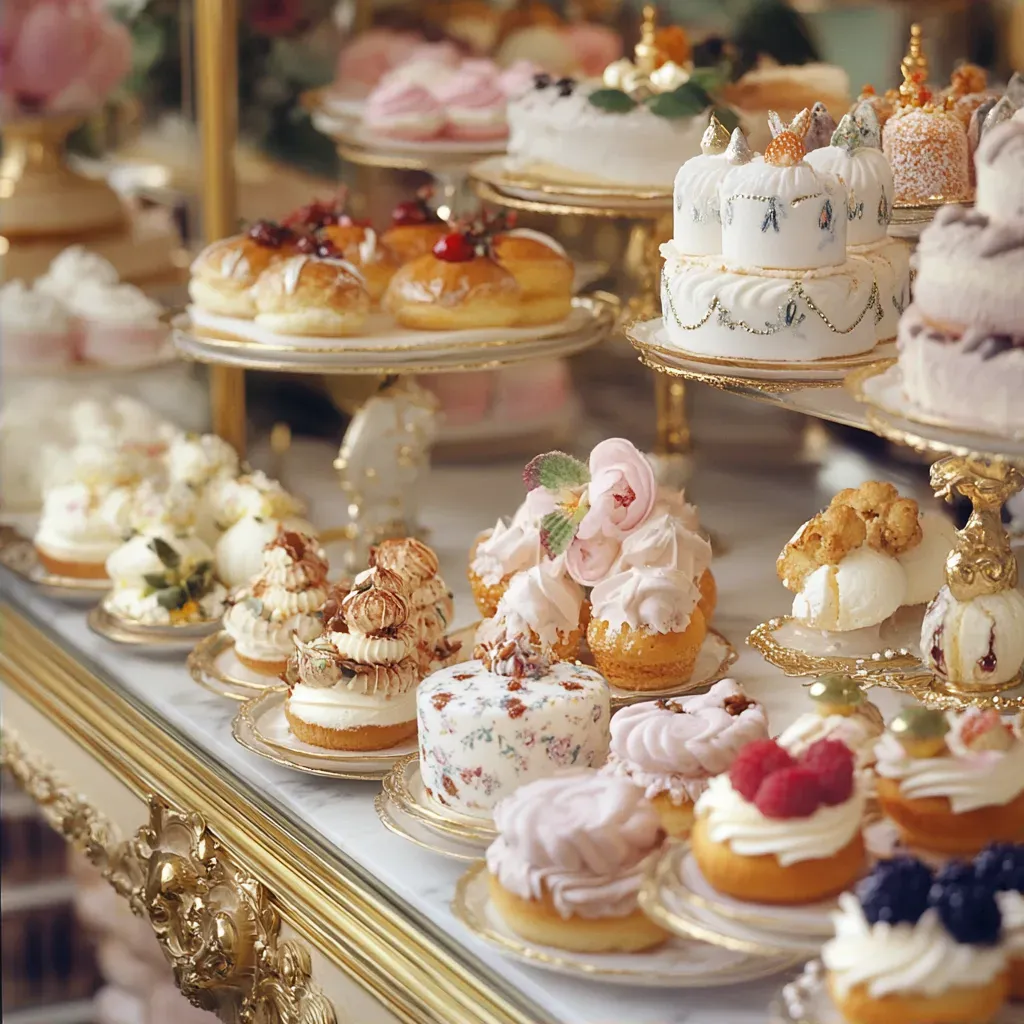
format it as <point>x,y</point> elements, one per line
<point>782,288</point>
<point>487,727</point>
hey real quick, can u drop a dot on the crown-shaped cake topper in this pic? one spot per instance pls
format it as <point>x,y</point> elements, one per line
<point>715,139</point>
<point>738,151</point>
<point>642,77</point>
<point>785,150</point>
<point>914,68</point>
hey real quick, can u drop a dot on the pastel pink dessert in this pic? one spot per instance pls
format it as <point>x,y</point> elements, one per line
<point>364,61</point>
<point>403,110</point>
<point>672,748</point>
<point>474,105</point>
<point>518,78</point>
<point>35,329</point>
<point>120,324</point>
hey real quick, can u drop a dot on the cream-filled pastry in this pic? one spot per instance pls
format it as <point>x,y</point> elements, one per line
<point>952,783</point>
<point>543,607</point>
<point>673,747</point>
<point>238,552</point>
<point>566,868</point>
<point>646,627</point>
<point>74,538</point>
<point>925,563</point>
<point>542,270</point>
<point>164,579</point>
<point>778,830</point>
<point>283,601</point>
<point>913,948</point>
<point>354,687</point>
<point>509,717</point>
<point>148,506</point>
<point>231,498</point>
<point>200,461</point>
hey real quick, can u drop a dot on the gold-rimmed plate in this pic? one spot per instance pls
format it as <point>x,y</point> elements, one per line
<point>213,665</point>
<point>403,785</point>
<point>355,765</point>
<point>663,898</point>
<point>395,820</point>
<point>801,651</point>
<point>678,963</point>
<point>105,622</point>
<point>18,555</point>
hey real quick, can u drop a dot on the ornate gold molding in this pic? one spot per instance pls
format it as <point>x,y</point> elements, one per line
<point>213,918</point>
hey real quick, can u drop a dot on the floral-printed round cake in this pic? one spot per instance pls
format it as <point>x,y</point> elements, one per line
<point>489,726</point>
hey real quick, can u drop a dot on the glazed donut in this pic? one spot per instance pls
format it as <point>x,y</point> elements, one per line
<point>360,246</point>
<point>225,271</point>
<point>543,272</point>
<point>311,296</point>
<point>440,293</point>
<point>415,230</point>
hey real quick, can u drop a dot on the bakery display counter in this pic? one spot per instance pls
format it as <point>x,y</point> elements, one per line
<point>283,891</point>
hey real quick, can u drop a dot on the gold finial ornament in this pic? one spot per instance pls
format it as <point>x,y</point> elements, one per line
<point>715,139</point>
<point>645,54</point>
<point>982,561</point>
<point>921,731</point>
<point>914,65</point>
<point>836,694</point>
<point>642,76</point>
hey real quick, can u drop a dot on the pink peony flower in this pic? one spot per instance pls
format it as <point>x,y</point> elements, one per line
<point>589,561</point>
<point>621,493</point>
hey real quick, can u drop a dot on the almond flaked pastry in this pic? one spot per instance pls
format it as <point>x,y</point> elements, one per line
<point>825,540</point>
<point>320,665</point>
<point>408,557</point>
<point>374,611</point>
<point>893,523</point>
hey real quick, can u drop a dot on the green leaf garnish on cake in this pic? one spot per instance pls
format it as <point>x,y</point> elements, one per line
<point>555,471</point>
<point>558,528</point>
<point>688,100</point>
<point>612,101</point>
<point>167,554</point>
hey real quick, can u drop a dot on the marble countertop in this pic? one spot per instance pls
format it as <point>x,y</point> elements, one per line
<point>752,513</point>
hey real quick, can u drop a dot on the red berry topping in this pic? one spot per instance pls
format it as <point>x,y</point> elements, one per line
<point>270,235</point>
<point>754,763</point>
<point>412,211</point>
<point>832,763</point>
<point>455,249</point>
<point>789,793</point>
<point>985,730</point>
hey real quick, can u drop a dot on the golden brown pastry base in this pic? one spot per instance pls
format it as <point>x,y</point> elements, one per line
<point>486,595</point>
<point>708,595</point>
<point>366,737</point>
<point>263,668</point>
<point>225,297</point>
<point>764,880</point>
<point>929,822</point>
<point>544,309</point>
<point>975,1005</point>
<point>676,819</point>
<point>73,570</point>
<point>538,921</point>
<point>636,659</point>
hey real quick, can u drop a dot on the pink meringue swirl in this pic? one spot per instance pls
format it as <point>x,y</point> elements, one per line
<point>471,89</point>
<point>580,837</point>
<point>400,99</point>
<point>665,542</point>
<point>672,751</point>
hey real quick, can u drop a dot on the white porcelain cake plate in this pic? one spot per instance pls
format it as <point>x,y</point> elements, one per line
<point>679,963</point>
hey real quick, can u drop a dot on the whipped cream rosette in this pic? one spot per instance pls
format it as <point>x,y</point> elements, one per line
<point>150,505</point>
<point>506,718</point>
<point>37,329</point>
<point>282,602</point>
<point>544,608</point>
<point>672,748</point>
<point>567,865</point>
<point>164,579</point>
<point>74,538</point>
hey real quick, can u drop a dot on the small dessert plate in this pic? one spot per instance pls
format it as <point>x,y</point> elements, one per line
<point>679,963</point>
<point>801,651</point>
<point>157,638</point>
<point>214,666</point>
<point>403,786</point>
<point>714,659</point>
<point>261,726</point>
<point>666,898</point>
<point>18,554</point>
<point>396,820</point>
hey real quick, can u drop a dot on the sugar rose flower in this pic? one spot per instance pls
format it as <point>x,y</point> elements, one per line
<point>590,561</point>
<point>621,493</point>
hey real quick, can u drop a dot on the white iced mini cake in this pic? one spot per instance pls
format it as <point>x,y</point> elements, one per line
<point>696,214</point>
<point>488,727</point>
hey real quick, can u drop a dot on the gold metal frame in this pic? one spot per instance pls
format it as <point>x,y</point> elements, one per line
<point>406,962</point>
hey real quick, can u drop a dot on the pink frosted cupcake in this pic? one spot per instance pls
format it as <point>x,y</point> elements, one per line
<point>672,748</point>
<point>518,78</point>
<point>35,329</point>
<point>475,105</point>
<point>404,110</point>
<point>120,324</point>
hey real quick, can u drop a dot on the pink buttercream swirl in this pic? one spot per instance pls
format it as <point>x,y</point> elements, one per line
<point>580,837</point>
<point>675,746</point>
<point>472,89</point>
<point>394,99</point>
<point>665,542</point>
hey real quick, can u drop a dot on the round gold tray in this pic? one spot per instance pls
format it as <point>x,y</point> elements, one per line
<point>105,623</point>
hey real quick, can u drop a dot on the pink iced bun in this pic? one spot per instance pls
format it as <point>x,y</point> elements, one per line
<point>593,47</point>
<point>581,838</point>
<point>371,55</point>
<point>402,110</point>
<point>475,105</point>
<point>518,78</point>
<point>675,746</point>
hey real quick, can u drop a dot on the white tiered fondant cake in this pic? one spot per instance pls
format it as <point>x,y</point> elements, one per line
<point>488,727</point>
<point>697,217</point>
<point>783,289</point>
<point>856,158</point>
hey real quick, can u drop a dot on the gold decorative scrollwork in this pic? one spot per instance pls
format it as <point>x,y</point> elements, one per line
<point>213,919</point>
<point>982,561</point>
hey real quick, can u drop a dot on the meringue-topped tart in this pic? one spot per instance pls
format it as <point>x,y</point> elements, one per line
<point>569,859</point>
<point>74,538</point>
<point>674,747</point>
<point>283,601</point>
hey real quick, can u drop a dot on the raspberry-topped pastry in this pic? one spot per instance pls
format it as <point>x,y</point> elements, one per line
<point>775,829</point>
<point>913,948</point>
<point>415,229</point>
<point>674,747</point>
<point>952,783</point>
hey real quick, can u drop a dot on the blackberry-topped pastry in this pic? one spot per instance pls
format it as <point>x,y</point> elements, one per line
<point>1001,866</point>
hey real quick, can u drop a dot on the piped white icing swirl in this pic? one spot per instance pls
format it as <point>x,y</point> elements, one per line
<point>71,527</point>
<point>579,837</point>
<point>665,542</point>
<point>858,731</point>
<point>731,819</point>
<point>903,959</point>
<point>198,459</point>
<point>539,602</point>
<point>668,751</point>
<point>337,707</point>
<point>662,600</point>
